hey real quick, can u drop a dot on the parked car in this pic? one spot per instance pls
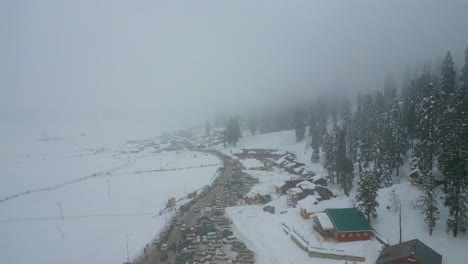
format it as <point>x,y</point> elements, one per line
<point>221,256</point>
<point>217,244</point>
<point>229,240</point>
<point>210,250</point>
<point>164,247</point>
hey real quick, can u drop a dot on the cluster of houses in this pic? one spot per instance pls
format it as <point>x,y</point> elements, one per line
<point>345,224</point>
<point>288,163</point>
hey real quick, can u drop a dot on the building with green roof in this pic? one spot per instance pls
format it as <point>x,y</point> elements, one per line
<point>349,224</point>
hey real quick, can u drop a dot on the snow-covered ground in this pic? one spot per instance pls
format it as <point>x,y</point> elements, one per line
<point>251,163</point>
<point>453,250</point>
<point>97,218</point>
<point>263,232</point>
<point>282,141</point>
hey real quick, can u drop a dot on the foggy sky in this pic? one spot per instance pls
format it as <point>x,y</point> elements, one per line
<point>184,60</point>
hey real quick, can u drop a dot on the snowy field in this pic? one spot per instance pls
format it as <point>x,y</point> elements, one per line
<point>453,250</point>
<point>282,141</point>
<point>106,194</point>
<point>251,163</point>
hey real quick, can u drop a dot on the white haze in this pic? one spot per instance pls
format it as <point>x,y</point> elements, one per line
<point>152,66</point>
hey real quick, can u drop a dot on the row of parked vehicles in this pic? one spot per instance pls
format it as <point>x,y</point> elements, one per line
<point>210,240</point>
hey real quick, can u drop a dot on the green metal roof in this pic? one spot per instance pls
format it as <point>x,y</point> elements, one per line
<point>348,220</point>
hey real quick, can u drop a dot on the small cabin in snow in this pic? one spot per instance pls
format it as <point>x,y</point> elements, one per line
<point>342,225</point>
<point>309,205</point>
<point>413,251</point>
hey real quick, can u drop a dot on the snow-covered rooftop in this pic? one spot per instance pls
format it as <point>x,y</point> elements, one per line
<point>325,221</point>
<point>310,204</point>
<point>294,190</point>
<point>279,184</point>
<point>280,160</point>
<point>306,185</point>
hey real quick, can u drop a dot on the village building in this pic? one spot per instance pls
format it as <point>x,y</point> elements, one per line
<point>307,187</point>
<point>413,251</point>
<point>283,186</point>
<point>348,224</point>
<point>309,205</point>
<point>294,195</point>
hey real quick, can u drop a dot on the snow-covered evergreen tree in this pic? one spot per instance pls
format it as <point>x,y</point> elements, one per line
<point>367,193</point>
<point>312,121</point>
<point>453,160</point>
<point>398,142</point>
<point>429,203</point>
<point>315,145</point>
<point>232,133</point>
<point>344,166</point>
<point>299,125</point>
<point>447,81</point>
<point>409,113</point>
<point>366,135</point>
<point>352,144</point>
<point>330,149</point>
<point>464,70</point>
<point>428,110</point>
<point>390,88</point>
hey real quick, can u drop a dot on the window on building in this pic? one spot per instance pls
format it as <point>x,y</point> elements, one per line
<point>366,234</point>
<point>350,234</point>
<point>358,234</point>
<point>343,235</point>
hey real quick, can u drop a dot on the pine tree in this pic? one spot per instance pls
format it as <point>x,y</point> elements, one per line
<point>366,138</point>
<point>453,159</point>
<point>464,71</point>
<point>427,110</point>
<point>315,146</point>
<point>447,82</point>
<point>367,194</point>
<point>352,143</point>
<point>341,161</point>
<point>329,149</point>
<point>312,121</point>
<point>397,146</point>
<point>299,125</point>
<point>409,109</point>
<point>379,136</point>
<point>252,122</point>
<point>236,131</point>
<point>344,107</point>
<point>429,203</point>
<point>406,83</point>
<point>390,88</point>
<point>232,133</point>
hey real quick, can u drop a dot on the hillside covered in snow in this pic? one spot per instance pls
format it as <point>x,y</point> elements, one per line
<point>268,234</point>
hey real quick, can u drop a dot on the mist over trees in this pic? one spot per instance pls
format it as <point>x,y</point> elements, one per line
<point>424,123</point>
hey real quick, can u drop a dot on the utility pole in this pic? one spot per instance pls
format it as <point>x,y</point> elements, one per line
<point>60,207</point>
<point>400,223</point>
<point>108,188</point>
<point>126,241</point>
